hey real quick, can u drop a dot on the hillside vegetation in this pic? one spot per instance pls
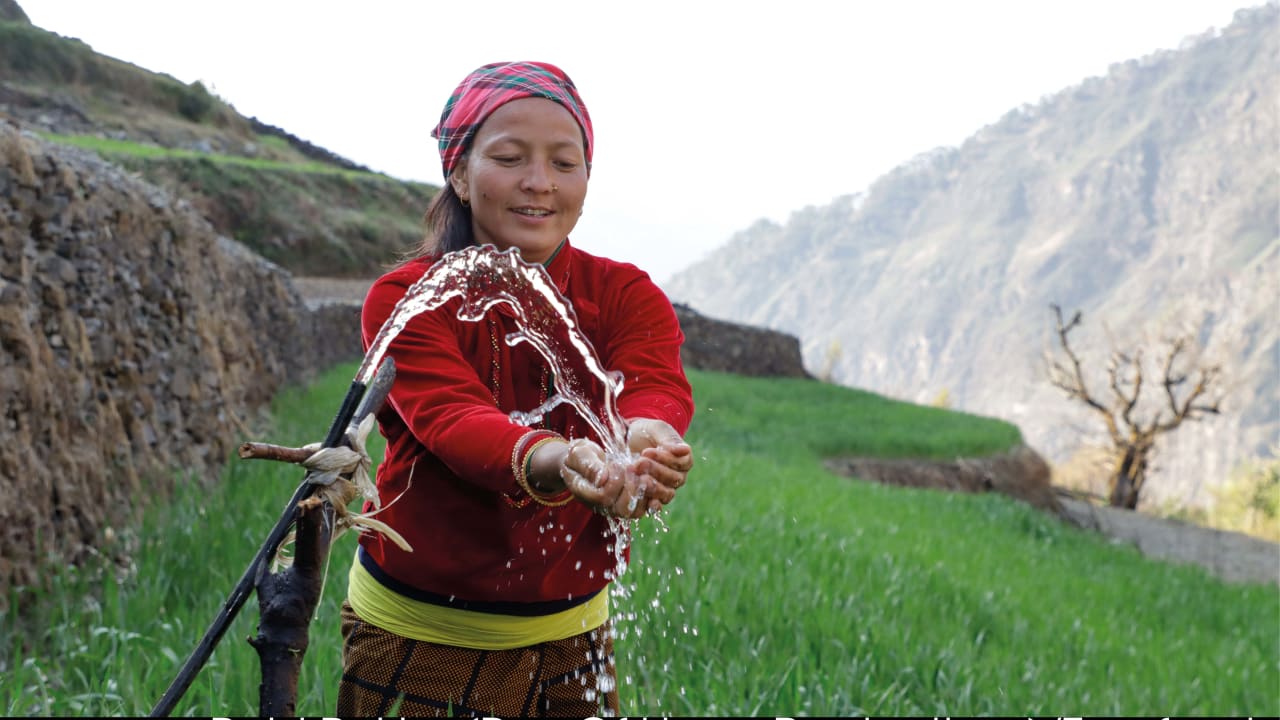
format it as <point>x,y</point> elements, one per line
<point>770,587</point>
<point>294,203</point>
<point>1147,198</point>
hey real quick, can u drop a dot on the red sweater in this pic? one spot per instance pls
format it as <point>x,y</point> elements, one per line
<point>477,541</point>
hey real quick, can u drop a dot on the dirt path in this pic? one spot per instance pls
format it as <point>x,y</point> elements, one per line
<point>321,290</point>
<point>1232,556</point>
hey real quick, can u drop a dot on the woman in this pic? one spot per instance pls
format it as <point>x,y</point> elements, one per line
<point>502,607</point>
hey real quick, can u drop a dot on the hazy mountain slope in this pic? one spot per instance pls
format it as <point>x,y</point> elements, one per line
<point>1148,198</point>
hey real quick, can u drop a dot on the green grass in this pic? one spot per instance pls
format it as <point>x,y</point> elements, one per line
<point>772,587</point>
<point>108,640</point>
<point>129,148</point>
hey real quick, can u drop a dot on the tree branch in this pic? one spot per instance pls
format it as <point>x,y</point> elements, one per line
<point>1188,409</point>
<point>1126,401</point>
<point>1072,381</point>
<point>267,451</point>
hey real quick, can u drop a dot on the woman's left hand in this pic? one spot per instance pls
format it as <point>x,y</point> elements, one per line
<point>664,456</point>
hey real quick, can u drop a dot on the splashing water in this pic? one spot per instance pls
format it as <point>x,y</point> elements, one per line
<point>484,277</point>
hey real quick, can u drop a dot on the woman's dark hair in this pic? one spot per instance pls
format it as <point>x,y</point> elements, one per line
<point>448,224</point>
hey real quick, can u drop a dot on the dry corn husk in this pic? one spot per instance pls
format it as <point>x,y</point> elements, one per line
<point>343,474</point>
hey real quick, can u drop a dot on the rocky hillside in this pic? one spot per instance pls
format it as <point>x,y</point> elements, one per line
<point>294,203</point>
<point>1148,198</point>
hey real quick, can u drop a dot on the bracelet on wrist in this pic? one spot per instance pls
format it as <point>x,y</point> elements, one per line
<point>521,466</point>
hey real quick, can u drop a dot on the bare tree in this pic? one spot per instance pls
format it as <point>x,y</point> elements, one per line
<point>1190,393</point>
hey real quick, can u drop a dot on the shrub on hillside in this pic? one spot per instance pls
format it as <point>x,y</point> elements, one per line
<point>27,51</point>
<point>193,102</point>
<point>1247,503</point>
<point>1250,502</point>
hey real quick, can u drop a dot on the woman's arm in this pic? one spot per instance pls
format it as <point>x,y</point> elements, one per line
<point>642,339</point>
<point>438,393</point>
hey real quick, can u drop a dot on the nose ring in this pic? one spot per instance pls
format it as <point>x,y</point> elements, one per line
<point>555,188</point>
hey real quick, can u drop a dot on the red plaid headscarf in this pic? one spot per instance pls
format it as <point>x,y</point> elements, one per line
<point>494,85</point>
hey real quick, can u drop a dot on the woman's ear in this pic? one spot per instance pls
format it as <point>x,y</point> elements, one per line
<point>458,181</point>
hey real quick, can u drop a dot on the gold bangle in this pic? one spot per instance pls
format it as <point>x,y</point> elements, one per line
<point>522,478</point>
<point>518,448</point>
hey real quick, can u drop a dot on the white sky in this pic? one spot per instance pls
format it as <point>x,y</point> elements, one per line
<point>708,115</point>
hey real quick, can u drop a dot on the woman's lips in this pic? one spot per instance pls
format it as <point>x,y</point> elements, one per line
<point>533,212</point>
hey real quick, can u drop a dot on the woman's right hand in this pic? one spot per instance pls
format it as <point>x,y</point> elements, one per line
<point>609,487</point>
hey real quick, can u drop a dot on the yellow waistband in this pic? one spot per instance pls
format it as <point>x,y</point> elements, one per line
<point>389,610</point>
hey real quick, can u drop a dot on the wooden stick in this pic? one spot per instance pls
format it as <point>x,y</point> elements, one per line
<point>267,451</point>
<point>283,681</point>
<point>287,601</point>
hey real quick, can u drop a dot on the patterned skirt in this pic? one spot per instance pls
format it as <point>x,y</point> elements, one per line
<point>385,674</point>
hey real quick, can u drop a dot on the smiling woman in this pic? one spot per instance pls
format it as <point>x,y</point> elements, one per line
<point>503,609</point>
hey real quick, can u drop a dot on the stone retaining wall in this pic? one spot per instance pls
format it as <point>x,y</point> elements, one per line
<point>130,347</point>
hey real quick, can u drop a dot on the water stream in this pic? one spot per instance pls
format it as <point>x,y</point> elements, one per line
<point>485,276</point>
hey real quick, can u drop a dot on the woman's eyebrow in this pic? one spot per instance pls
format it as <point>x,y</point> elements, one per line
<point>521,140</point>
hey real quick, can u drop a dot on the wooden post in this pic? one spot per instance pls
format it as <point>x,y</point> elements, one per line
<point>287,602</point>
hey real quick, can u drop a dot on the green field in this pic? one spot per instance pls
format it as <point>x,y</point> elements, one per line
<point>772,587</point>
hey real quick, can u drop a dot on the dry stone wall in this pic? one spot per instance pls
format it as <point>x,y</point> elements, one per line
<point>131,346</point>
<point>712,344</point>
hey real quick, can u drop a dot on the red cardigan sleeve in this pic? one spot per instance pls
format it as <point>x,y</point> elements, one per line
<point>437,392</point>
<point>644,344</point>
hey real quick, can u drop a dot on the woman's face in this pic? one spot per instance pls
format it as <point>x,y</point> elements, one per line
<point>525,177</point>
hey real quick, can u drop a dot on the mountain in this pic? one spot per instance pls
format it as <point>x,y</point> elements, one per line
<point>1147,198</point>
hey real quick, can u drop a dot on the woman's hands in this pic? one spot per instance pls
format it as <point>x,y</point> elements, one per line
<point>629,490</point>
<point>665,456</point>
